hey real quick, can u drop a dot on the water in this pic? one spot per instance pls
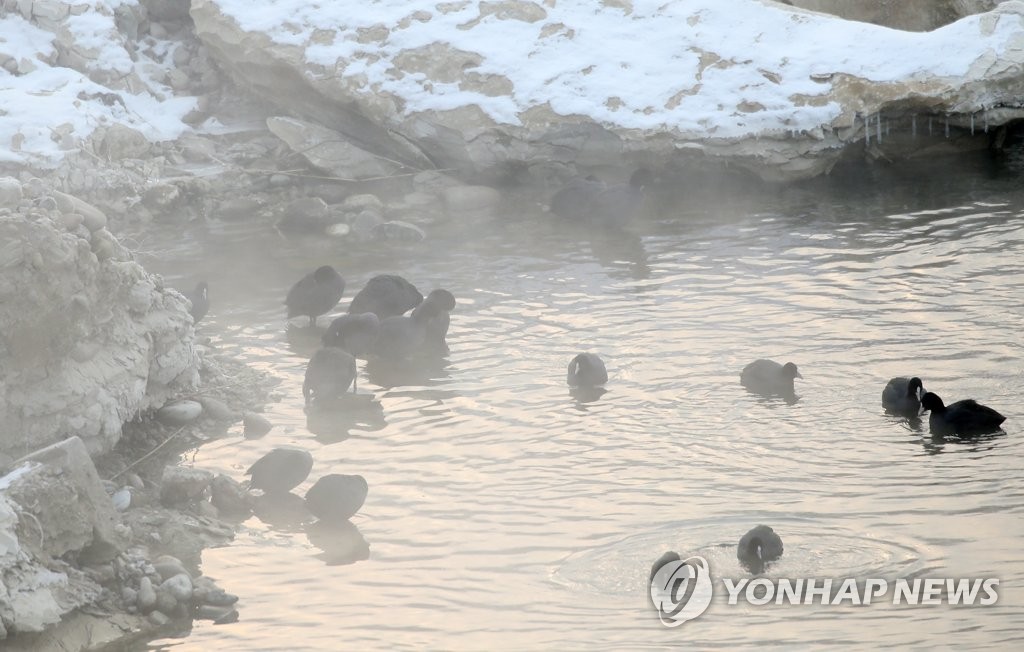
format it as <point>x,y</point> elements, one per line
<point>504,513</point>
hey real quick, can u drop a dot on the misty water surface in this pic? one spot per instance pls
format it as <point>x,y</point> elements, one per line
<point>504,513</point>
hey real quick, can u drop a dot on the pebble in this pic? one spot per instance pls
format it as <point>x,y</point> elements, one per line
<point>129,595</point>
<point>10,192</point>
<point>339,230</point>
<point>219,598</point>
<point>179,586</point>
<point>134,480</point>
<point>179,413</point>
<point>71,220</point>
<point>180,484</point>
<point>217,410</point>
<point>122,499</point>
<point>357,203</point>
<point>165,602</point>
<point>219,615</point>
<point>255,425</point>
<point>146,595</point>
<point>365,222</point>
<point>229,496</point>
<point>399,231</point>
<point>159,618</point>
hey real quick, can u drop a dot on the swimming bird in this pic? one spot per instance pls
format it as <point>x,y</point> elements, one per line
<point>329,374</point>
<point>903,396</point>
<point>656,566</point>
<point>200,300</point>
<point>354,333</point>
<point>386,295</point>
<point>586,370</point>
<point>769,377</point>
<point>336,497</point>
<point>280,470</point>
<point>437,326</point>
<point>759,547</point>
<point>401,336</point>
<point>315,293</point>
<point>590,200</point>
<point>966,417</point>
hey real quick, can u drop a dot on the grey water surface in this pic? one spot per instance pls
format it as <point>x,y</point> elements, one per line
<point>506,513</point>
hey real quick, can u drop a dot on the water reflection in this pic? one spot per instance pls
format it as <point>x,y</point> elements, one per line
<point>285,512</point>
<point>339,543</point>
<point>582,395</point>
<point>333,421</point>
<point>418,371</point>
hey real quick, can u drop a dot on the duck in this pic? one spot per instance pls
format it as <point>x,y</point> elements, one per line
<point>336,497</point>
<point>280,470</point>
<point>329,374</point>
<point>386,295</point>
<point>437,326</point>
<point>665,558</point>
<point>758,547</point>
<point>592,201</point>
<point>315,293</point>
<point>200,300</point>
<point>769,377</point>
<point>903,396</point>
<point>586,370</point>
<point>354,333</point>
<point>966,417</point>
<point>401,336</point>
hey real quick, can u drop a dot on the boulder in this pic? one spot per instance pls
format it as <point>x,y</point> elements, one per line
<point>330,151</point>
<point>88,339</point>
<point>763,86</point>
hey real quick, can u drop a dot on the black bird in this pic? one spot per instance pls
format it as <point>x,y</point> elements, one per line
<point>336,497</point>
<point>769,377</point>
<point>437,326</point>
<point>329,374</point>
<point>656,566</point>
<point>353,333</point>
<point>386,296</point>
<point>759,547</point>
<point>967,417</point>
<point>586,370</point>
<point>903,396</point>
<point>280,470</point>
<point>315,293</point>
<point>200,300</point>
<point>400,337</point>
<point>590,200</point>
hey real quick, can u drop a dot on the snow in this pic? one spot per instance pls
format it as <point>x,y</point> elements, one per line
<point>43,101</point>
<point>640,69</point>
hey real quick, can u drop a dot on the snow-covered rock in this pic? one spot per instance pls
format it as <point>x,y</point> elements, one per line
<point>477,85</point>
<point>88,339</point>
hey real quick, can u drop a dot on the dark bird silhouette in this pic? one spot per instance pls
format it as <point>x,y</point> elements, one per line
<point>966,417</point>
<point>386,296</point>
<point>903,396</point>
<point>353,333</point>
<point>769,377</point>
<point>336,497</point>
<point>437,326</point>
<point>315,293</point>
<point>402,336</point>
<point>758,548</point>
<point>586,370</point>
<point>200,300</point>
<point>280,470</point>
<point>592,201</point>
<point>656,566</point>
<point>329,374</point>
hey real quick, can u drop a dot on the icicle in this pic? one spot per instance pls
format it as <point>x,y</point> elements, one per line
<point>972,124</point>
<point>947,126</point>
<point>886,128</point>
<point>878,127</point>
<point>929,125</point>
<point>986,123</point>
<point>913,126</point>
<point>867,130</point>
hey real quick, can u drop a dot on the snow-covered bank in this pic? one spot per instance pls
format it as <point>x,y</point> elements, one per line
<point>479,85</point>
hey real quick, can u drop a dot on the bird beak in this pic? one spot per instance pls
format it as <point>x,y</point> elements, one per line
<point>799,376</point>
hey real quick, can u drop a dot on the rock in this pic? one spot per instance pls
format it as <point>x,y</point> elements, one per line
<point>70,510</point>
<point>92,217</point>
<point>305,215</point>
<point>363,225</point>
<point>162,196</point>
<point>339,230</point>
<point>129,596</point>
<point>219,615</point>
<point>196,148</point>
<point>396,230</point>
<point>217,410</point>
<point>167,567</point>
<point>911,15</point>
<point>10,192</point>
<point>122,499</point>
<point>459,199</point>
<point>159,619</point>
<point>165,602</point>
<point>229,496</point>
<point>255,425</point>
<point>784,113</point>
<point>121,142</point>
<point>146,595</point>
<point>179,413</point>
<point>134,480</point>
<point>330,151</point>
<point>238,208</point>
<point>182,485</point>
<point>179,586</point>
<point>357,203</point>
<point>218,598</point>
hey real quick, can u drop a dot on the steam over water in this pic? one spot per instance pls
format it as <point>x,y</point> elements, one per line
<point>503,513</point>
